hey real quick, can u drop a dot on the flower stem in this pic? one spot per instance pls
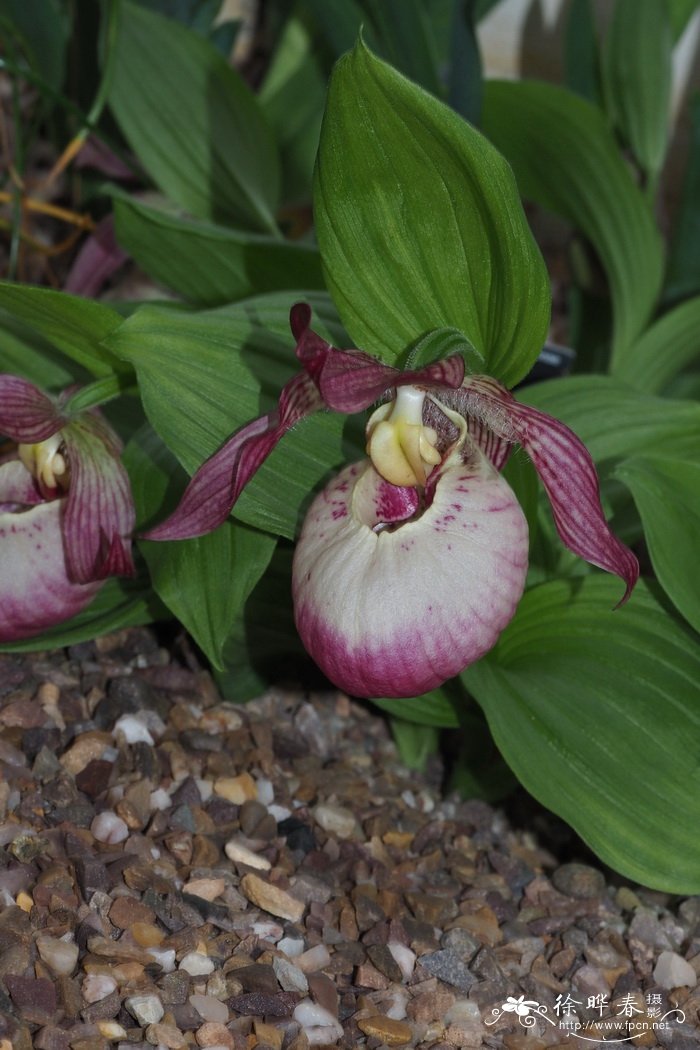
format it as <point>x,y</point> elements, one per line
<point>98,393</point>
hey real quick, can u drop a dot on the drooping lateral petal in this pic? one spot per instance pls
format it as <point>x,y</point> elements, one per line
<point>27,414</point>
<point>567,473</point>
<point>17,486</point>
<point>350,380</point>
<point>35,591</point>
<point>397,611</point>
<point>99,514</point>
<point>215,487</point>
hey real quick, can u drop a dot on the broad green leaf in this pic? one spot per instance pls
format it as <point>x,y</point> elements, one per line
<point>683,272</point>
<point>613,421</point>
<point>667,494</point>
<point>581,58</point>
<point>121,603</point>
<point>204,375</point>
<point>292,96</point>
<point>415,743</point>
<point>420,226</point>
<point>24,352</point>
<point>664,349</point>
<point>636,66</point>
<point>205,581</point>
<point>596,712</point>
<point>211,265</point>
<point>435,709</point>
<point>680,12</point>
<point>565,159</point>
<point>75,326</point>
<point>193,123</point>
<point>263,647</point>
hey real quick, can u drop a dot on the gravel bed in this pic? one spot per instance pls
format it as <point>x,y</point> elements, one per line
<point>179,872</point>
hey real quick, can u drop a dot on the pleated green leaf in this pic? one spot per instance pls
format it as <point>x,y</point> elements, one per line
<point>667,494</point>
<point>75,326</point>
<point>636,67</point>
<point>193,123</point>
<point>420,225</point>
<point>664,349</point>
<point>204,375</point>
<point>208,264</point>
<point>566,159</point>
<point>614,421</point>
<point>596,712</point>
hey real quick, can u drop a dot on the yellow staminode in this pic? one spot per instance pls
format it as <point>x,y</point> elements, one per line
<point>400,446</point>
<point>45,461</point>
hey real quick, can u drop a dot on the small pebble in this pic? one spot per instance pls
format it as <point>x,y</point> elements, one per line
<point>272,898</point>
<point>209,1008</point>
<point>319,1024</point>
<point>196,964</point>
<point>97,986</point>
<point>168,1035</point>
<point>207,889</point>
<point>60,956</point>
<point>240,854</point>
<point>108,827</point>
<point>165,957</point>
<point>314,959</point>
<point>405,958</point>
<point>290,977</point>
<point>236,789</point>
<point>672,971</point>
<point>336,820</point>
<point>133,729</point>
<point>111,1030</point>
<point>145,1009</point>
<point>579,881</point>
<point>393,1033</point>
<point>291,946</point>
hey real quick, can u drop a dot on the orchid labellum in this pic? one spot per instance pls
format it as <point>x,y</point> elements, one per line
<point>66,512</point>
<point>411,562</point>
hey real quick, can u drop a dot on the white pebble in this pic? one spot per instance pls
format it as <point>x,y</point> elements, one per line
<point>60,956</point>
<point>267,930</point>
<point>397,1010</point>
<point>240,854</point>
<point>279,812</point>
<point>314,959</point>
<point>160,799</point>
<point>146,1009</point>
<point>209,1008</point>
<point>291,946</point>
<point>289,976</point>
<point>463,1011</point>
<point>196,964</point>
<point>403,957</point>
<point>206,789</point>
<point>108,827</point>
<point>335,819</point>
<point>165,957</point>
<point>265,791</point>
<point>672,971</point>
<point>98,986</point>
<point>133,729</point>
<point>320,1026</point>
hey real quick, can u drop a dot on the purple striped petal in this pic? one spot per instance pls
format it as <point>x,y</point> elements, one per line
<point>99,513</point>
<point>566,470</point>
<point>397,611</point>
<point>350,380</point>
<point>215,487</point>
<point>35,590</point>
<point>27,414</point>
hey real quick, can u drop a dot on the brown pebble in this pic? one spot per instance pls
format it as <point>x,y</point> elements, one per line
<point>85,748</point>
<point>393,1033</point>
<point>127,910</point>
<point>272,898</point>
<point>213,1034</point>
<point>268,1035</point>
<point>579,881</point>
<point>169,1035</point>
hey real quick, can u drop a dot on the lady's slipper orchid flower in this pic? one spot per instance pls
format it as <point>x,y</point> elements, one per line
<point>411,562</point>
<point>66,512</point>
